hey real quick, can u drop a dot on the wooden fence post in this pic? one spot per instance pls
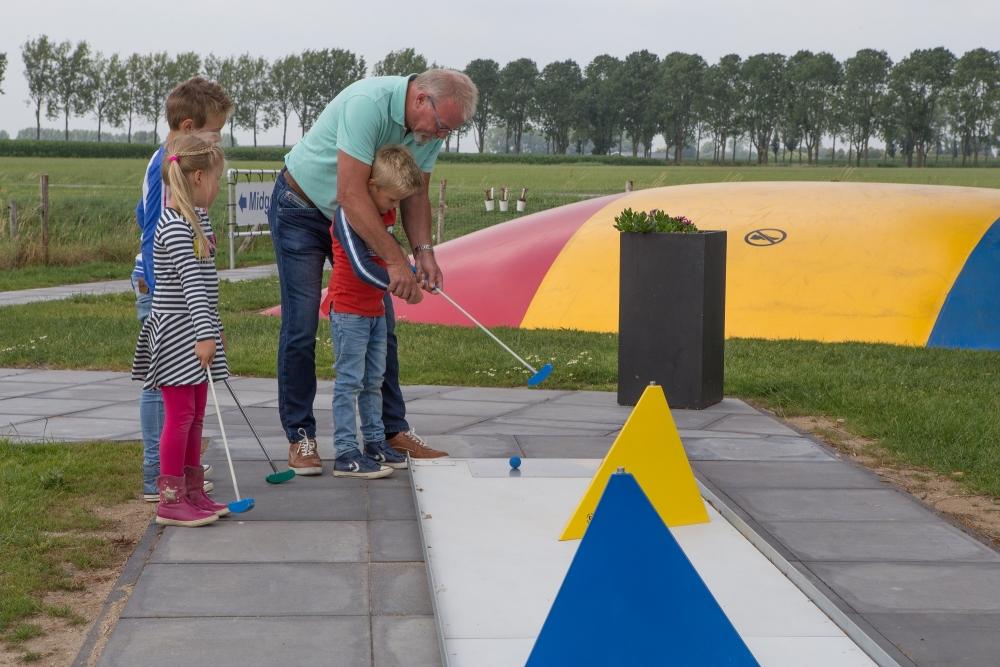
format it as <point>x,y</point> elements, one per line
<point>13,221</point>
<point>44,186</point>
<point>440,213</point>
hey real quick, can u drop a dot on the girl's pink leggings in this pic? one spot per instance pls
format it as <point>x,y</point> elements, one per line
<point>184,415</point>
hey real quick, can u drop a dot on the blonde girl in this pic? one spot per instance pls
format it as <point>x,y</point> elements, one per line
<point>181,340</point>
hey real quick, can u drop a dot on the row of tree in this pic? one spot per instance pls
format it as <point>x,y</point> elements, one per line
<point>930,100</point>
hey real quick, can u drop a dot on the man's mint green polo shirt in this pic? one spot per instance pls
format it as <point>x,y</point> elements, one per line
<point>365,116</point>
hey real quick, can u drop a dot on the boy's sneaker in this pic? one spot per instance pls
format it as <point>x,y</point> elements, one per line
<point>302,456</point>
<point>408,442</point>
<point>207,467</point>
<point>356,464</point>
<point>385,454</point>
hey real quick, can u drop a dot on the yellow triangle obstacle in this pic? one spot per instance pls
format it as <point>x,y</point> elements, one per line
<point>650,448</point>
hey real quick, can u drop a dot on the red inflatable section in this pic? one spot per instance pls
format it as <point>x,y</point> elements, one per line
<point>495,272</point>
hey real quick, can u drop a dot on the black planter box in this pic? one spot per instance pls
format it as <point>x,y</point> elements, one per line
<point>672,317</point>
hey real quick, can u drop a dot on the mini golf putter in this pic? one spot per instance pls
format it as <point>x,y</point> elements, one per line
<point>240,505</point>
<point>539,375</point>
<point>275,477</point>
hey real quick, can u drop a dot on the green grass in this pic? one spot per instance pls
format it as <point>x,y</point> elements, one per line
<point>47,496</point>
<point>92,225</point>
<point>930,407</point>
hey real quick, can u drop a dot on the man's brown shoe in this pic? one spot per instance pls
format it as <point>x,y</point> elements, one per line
<point>302,456</point>
<point>408,442</point>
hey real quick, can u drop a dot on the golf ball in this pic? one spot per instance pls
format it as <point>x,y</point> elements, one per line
<point>515,462</point>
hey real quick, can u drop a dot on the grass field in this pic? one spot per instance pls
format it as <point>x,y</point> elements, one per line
<point>92,203</point>
<point>50,531</point>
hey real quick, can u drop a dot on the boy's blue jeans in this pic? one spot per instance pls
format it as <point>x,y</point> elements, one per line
<point>359,345</point>
<point>150,410</point>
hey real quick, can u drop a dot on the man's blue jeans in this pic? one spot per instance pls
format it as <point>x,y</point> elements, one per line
<point>150,410</point>
<point>302,243</point>
<point>359,345</point>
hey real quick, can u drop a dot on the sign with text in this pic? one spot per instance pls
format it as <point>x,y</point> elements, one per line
<point>251,201</point>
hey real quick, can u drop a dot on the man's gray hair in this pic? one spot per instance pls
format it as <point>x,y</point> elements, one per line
<point>443,84</point>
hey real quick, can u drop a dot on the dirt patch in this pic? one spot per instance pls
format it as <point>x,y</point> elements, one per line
<point>62,637</point>
<point>979,514</point>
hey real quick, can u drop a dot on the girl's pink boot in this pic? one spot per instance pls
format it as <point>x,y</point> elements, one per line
<point>194,480</point>
<point>175,509</point>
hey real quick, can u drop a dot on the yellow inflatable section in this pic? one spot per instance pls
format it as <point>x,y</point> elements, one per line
<point>819,261</point>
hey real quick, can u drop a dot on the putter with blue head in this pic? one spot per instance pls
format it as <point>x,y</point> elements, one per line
<point>239,505</point>
<point>275,477</point>
<point>538,375</point>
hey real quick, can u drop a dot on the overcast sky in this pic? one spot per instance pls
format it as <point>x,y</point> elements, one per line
<point>453,33</point>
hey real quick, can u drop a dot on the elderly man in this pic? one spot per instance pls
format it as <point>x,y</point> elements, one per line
<point>330,168</point>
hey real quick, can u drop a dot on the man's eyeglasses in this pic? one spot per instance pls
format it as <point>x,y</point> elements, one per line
<point>441,127</point>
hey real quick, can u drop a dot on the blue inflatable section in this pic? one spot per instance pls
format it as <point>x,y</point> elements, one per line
<point>970,316</point>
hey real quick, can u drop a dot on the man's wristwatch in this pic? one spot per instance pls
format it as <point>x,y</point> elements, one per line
<point>426,247</point>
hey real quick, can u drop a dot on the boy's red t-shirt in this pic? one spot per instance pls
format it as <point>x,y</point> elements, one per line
<point>348,293</point>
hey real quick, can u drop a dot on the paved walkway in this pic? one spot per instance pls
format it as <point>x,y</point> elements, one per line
<point>17,297</point>
<point>329,571</point>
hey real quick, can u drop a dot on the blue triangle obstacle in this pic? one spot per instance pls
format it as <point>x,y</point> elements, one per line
<point>632,597</point>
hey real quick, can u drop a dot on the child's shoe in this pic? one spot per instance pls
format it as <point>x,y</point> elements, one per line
<point>194,482</point>
<point>175,509</point>
<point>356,464</point>
<point>384,454</point>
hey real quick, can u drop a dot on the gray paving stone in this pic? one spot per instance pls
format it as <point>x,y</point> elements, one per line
<point>123,411</point>
<point>72,429</point>
<point>788,474</point>
<point>102,391</point>
<point>263,589</point>
<point>241,384</point>
<point>565,446</point>
<point>232,540</point>
<point>592,426</point>
<point>732,406</point>
<point>395,541</point>
<point>442,406</point>
<point>12,387</point>
<point>405,641</point>
<point>475,446</point>
<point>67,377</point>
<point>604,399</point>
<point>243,447</point>
<point>915,587</point>
<point>413,391</point>
<point>615,415</point>
<point>758,423</point>
<point>694,433</point>
<point>501,394</point>
<point>518,429</point>
<point>400,589</point>
<point>10,372</point>
<point>247,397</point>
<point>440,424</point>
<point>879,540</point>
<point>318,498</point>
<point>331,641</point>
<point>696,419</point>
<point>390,502</point>
<point>7,420</point>
<point>829,505</point>
<point>755,449</point>
<point>48,407</point>
<point>944,640</point>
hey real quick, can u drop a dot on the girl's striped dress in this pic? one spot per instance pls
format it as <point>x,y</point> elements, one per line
<point>185,308</point>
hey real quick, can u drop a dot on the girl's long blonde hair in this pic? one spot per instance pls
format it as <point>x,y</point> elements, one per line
<point>186,154</point>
